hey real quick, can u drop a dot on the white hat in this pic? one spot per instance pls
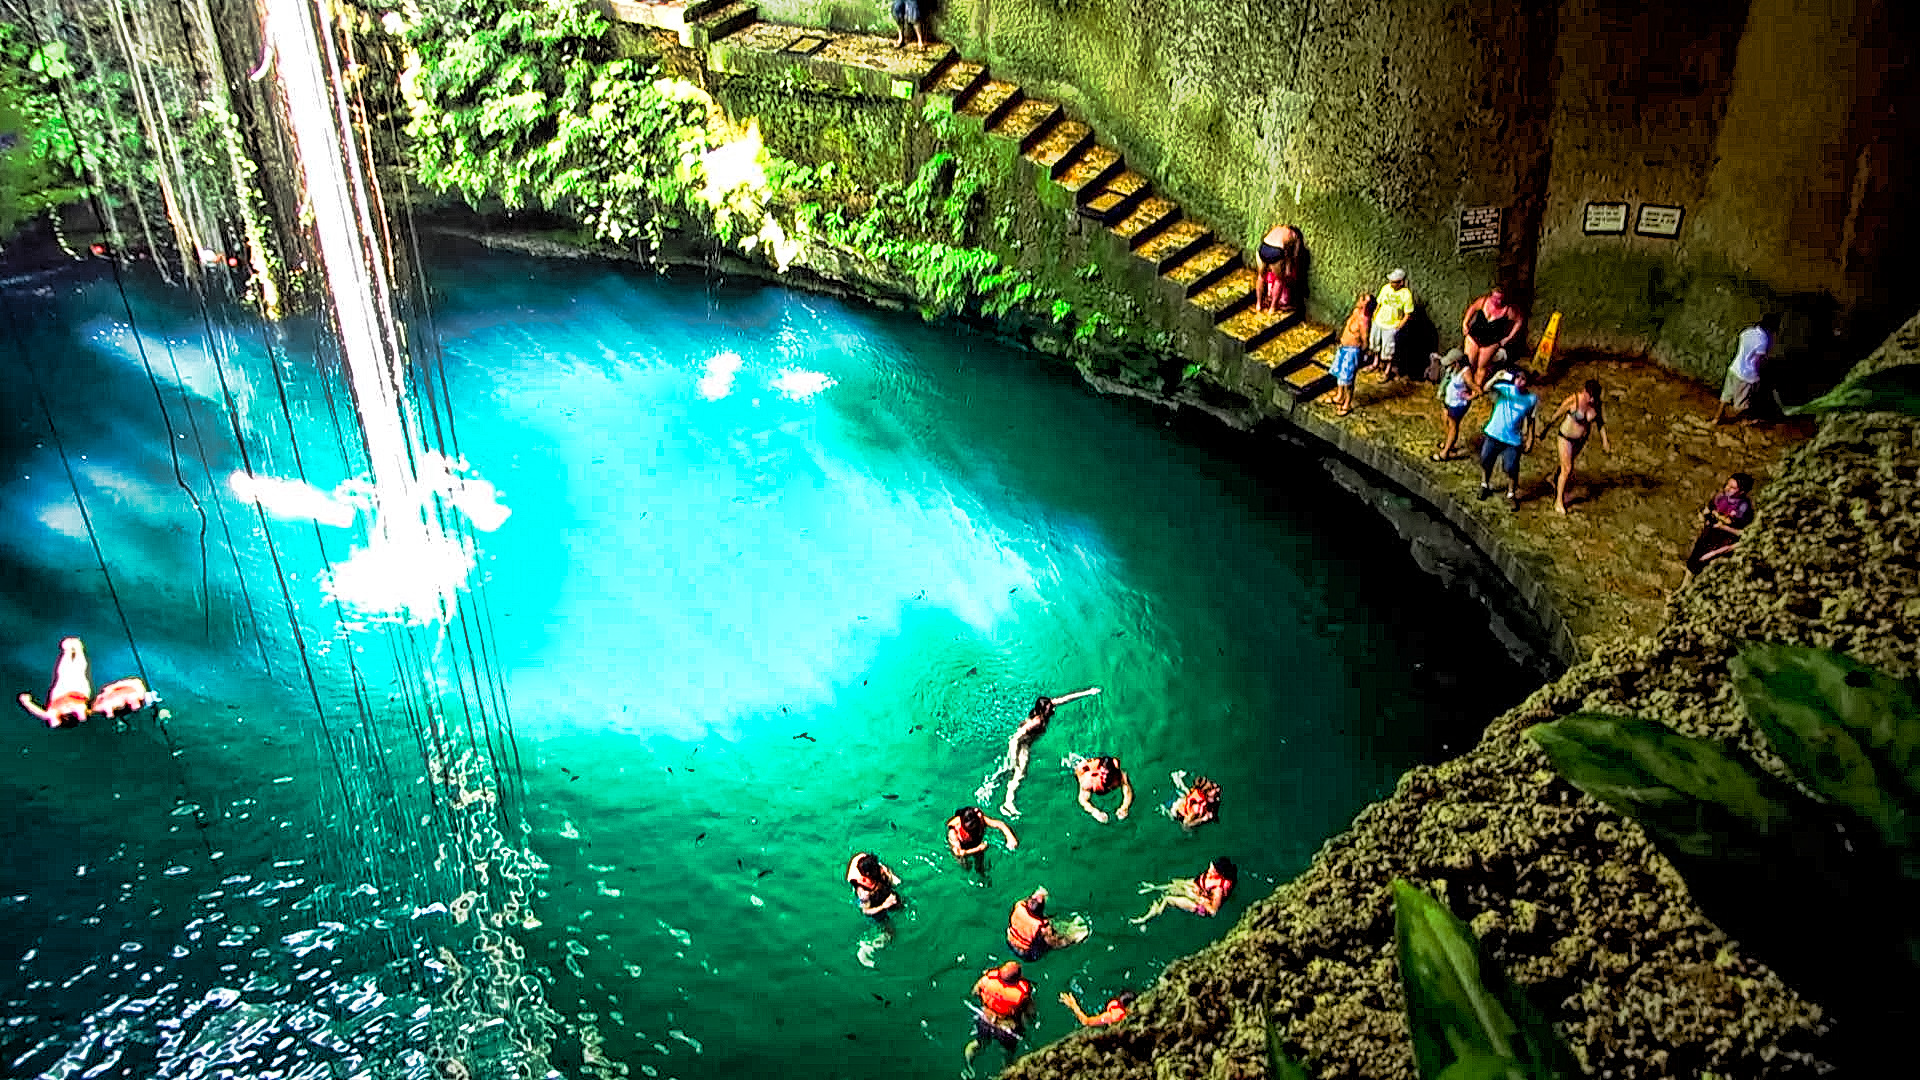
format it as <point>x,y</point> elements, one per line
<point>1396,275</point>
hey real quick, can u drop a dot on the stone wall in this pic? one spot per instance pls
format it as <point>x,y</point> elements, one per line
<point>1775,125</point>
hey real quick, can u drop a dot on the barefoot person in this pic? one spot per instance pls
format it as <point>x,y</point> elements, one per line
<point>1101,775</point>
<point>1456,395</point>
<point>72,688</point>
<point>129,695</point>
<point>1488,324</point>
<point>1006,1006</point>
<point>1579,417</point>
<point>908,13</point>
<point>1116,1010</point>
<point>1280,265</point>
<point>1031,932</point>
<point>967,837</point>
<point>1202,895</point>
<point>1019,746</point>
<point>1346,359</point>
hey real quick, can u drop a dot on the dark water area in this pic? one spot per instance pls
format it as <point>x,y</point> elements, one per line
<point>780,576</point>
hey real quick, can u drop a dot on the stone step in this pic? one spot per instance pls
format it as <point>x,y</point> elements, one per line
<point>1295,346</point>
<point>1087,174</point>
<point>720,22</point>
<point>1063,145</point>
<point>1253,328</point>
<point>1026,122</point>
<point>1305,381</point>
<point>700,9</point>
<point>1207,266</point>
<point>1175,244</point>
<point>957,79</point>
<point>1122,193</point>
<point>1227,297</point>
<point>991,101</point>
<point>1148,218</point>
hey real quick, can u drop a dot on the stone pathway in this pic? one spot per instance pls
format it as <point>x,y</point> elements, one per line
<point>1607,567</point>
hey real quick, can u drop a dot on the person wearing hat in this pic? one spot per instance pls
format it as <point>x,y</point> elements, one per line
<point>1456,395</point>
<point>1391,309</point>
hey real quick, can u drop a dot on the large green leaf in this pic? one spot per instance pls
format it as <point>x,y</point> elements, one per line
<point>1467,1022</point>
<point>1691,794</point>
<point>1849,732</point>
<point>1894,389</point>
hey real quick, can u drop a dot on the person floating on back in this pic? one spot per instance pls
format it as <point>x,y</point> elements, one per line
<point>1100,775</point>
<point>123,695</point>
<point>1116,1010</point>
<point>1006,1005</point>
<point>1196,805</point>
<point>1030,931</point>
<point>967,837</point>
<point>72,689</point>
<point>1202,895</point>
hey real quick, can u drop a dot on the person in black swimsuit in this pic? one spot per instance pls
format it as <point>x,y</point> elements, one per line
<point>1280,266</point>
<point>1487,326</point>
<point>1579,417</point>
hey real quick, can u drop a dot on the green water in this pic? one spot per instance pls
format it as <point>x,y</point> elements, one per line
<point>746,626</point>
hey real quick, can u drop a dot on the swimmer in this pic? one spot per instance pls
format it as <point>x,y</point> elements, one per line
<point>1006,1005</point>
<point>1196,805</point>
<point>1203,895</point>
<point>875,886</point>
<point>72,688</point>
<point>967,836</point>
<point>131,695</point>
<point>1030,932</point>
<point>1117,1008</point>
<point>1099,775</point>
<point>1034,726</point>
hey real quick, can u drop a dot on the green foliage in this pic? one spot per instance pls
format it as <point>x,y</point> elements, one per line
<point>1279,1065</point>
<point>1088,327</point>
<point>42,165</point>
<point>1894,389</point>
<point>1466,1020</point>
<point>1824,886</point>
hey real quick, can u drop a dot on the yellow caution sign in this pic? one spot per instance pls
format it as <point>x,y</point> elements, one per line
<point>1543,354</point>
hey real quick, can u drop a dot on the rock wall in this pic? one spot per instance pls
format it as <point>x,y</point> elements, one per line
<point>1774,125</point>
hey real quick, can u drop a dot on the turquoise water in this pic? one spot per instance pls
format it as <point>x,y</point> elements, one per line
<point>780,577</point>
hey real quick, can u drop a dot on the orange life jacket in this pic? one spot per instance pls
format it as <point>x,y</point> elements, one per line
<point>1107,777</point>
<point>1213,888</point>
<point>1112,1014</point>
<point>1002,998</point>
<point>1199,799</point>
<point>1024,928</point>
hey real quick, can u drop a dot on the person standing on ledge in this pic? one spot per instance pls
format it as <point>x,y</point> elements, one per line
<point>1579,417</point>
<point>72,688</point>
<point>1281,253</point>
<point>1394,308</point>
<point>1743,375</point>
<point>1488,324</point>
<point>907,13</point>
<point>1508,434</point>
<point>1346,359</point>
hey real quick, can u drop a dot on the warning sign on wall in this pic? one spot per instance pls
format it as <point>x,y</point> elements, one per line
<point>1479,228</point>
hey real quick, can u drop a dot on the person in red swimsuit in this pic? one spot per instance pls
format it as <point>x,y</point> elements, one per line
<point>72,688</point>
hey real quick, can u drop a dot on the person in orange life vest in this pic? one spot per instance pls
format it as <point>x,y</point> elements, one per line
<point>1006,1006</point>
<point>874,886</point>
<point>967,836</point>
<point>131,695</point>
<point>1030,933</point>
<point>1116,1010</point>
<point>72,688</point>
<point>1202,895</point>
<point>1198,804</point>
<point>1099,775</point>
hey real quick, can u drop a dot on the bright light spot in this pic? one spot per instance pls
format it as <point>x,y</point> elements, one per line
<point>735,165</point>
<point>294,500</point>
<point>718,381</point>
<point>411,578</point>
<point>796,384</point>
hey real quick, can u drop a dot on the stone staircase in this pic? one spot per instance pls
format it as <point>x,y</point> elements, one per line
<point>1188,257</point>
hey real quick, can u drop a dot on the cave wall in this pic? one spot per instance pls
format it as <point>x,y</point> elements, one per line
<point>1775,126</point>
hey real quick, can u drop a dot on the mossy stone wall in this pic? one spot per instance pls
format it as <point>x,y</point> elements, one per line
<point>1775,124</point>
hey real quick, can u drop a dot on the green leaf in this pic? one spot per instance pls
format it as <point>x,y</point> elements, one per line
<point>1467,1022</point>
<point>1279,1065</point>
<point>1689,793</point>
<point>1849,732</point>
<point>1894,389</point>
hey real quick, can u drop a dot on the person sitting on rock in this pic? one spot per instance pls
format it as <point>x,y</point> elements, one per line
<point>1725,517</point>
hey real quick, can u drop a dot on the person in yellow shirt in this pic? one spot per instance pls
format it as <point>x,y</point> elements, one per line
<point>1391,309</point>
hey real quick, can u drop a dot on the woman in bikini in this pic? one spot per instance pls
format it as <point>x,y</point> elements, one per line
<point>1280,267</point>
<point>72,688</point>
<point>1579,417</point>
<point>1487,326</point>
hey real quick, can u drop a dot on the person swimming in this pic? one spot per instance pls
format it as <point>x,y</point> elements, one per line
<point>1197,804</point>
<point>1020,745</point>
<point>1031,932</point>
<point>129,695</point>
<point>1101,775</point>
<point>875,887</point>
<point>1203,895</point>
<point>72,688</point>
<point>967,836</point>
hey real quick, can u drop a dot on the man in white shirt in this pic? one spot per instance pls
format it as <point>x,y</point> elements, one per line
<point>1743,375</point>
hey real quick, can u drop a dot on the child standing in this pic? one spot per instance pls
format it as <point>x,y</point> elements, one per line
<point>1346,361</point>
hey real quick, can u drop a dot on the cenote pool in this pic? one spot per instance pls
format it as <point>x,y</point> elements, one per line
<point>778,577</point>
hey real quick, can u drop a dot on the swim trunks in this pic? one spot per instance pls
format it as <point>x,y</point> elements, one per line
<point>1269,253</point>
<point>1346,364</point>
<point>983,1030</point>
